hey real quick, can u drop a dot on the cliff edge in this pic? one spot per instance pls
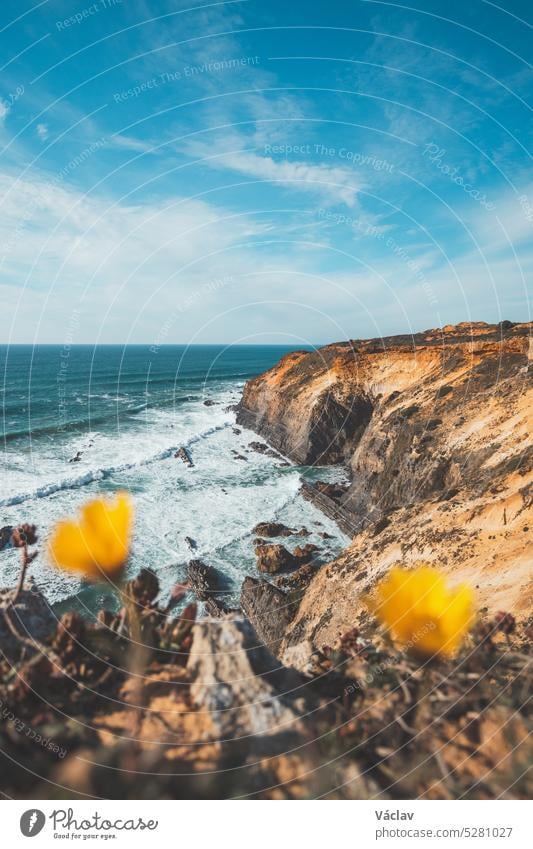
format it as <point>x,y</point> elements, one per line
<point>434,431</point>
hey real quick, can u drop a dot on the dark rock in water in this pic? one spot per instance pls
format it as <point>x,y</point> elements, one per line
<point>76,458</point>
<point>325,535</point>
<point>183,454</point>
<point>263,448</point>
<point>216,608</point>
<point>273,558</point>
<point>204,580</point>
<point>269,611</point>
<point>231,408</point>
<point>5,537</point>
<point>272,529</point>
<point>260,447</point>
<point>303,532</point>
<point>210,403</point>
<point>237,431</point>
<point>191,543</point>
<point>305,553</point>
<point>31,617</point>
<point>239,456</point>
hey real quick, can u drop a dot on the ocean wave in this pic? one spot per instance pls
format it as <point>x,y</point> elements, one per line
<point>278,514</point>
<point>72,425</point>
<point>92,475</point>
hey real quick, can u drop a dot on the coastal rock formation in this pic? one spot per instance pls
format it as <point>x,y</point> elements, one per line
<point>261,447</point>
<point>432,429</point>
<point>272,529</point>
<point>203,579</point>
<point>305,553</point>
<point>216,608</point>
<point>273,558</point>
<point>298,580</point>
<point>5,537</point>
<point>184,455</point>
<point>268,609</point>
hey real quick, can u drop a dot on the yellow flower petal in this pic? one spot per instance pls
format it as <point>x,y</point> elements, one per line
<point>97,545</point>
<point>421,612</point>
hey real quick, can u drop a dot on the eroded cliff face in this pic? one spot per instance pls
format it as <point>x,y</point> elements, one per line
<point>434,429</point>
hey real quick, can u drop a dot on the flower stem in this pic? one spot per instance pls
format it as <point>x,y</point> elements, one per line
<point>22,577</point>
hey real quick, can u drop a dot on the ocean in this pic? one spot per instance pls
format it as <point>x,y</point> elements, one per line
<point>82,421</point>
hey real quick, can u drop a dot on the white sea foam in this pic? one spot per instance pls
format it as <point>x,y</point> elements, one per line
<point>217,502</point>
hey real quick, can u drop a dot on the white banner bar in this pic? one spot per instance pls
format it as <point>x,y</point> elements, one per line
<point>251,825</point>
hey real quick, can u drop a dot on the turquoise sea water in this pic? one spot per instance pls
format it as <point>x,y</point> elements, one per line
<point>81,421</point>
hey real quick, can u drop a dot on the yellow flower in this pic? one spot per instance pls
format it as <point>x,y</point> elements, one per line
<point>98,544</point>
<point>421,612</point>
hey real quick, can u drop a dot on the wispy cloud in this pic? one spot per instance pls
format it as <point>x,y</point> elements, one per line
<point>336,185</point>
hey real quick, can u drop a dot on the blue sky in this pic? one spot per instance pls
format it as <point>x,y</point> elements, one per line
<point>252,171</point>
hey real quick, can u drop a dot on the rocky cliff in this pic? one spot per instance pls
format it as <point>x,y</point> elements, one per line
<point>433,429</point>
<point>146,702</point>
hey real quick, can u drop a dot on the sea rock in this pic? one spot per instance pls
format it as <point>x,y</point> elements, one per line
<point>262,448</point>
<point>273,558</point>
<point>193,545</point>
<point>183,454</point>
<point>216,608</point>
<point>5,537</point>
<point>31,617</point>
<point>305,553</point>
<point>203,579</point>
<point>298,580</point>
<point>210,403</point>
<point>272,529</point>
<point>269,610</point>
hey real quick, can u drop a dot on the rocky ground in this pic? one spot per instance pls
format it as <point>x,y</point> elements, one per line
<point>205,710</point>
<point>298,694</point>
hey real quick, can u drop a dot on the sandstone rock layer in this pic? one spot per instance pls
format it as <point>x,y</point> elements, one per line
<point>434,430</point>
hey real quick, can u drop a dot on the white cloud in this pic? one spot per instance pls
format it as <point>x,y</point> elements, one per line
<point>134,268</point>
<point>509,225</point>
<point>336,185</point>
<point>42,131</point>
<point>130,143</point>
